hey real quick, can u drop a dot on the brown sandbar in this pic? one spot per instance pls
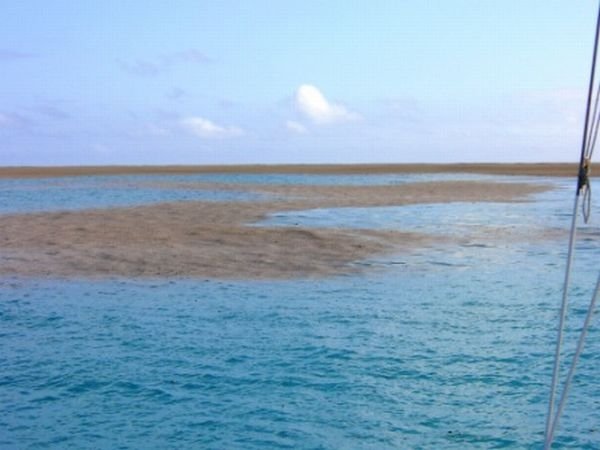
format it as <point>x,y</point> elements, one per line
<point>219,240</point>
<point>535,169</point>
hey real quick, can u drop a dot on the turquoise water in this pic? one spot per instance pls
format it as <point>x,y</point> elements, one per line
<point>75,193</point>
<point>442,348</point>
<point>333,180</point>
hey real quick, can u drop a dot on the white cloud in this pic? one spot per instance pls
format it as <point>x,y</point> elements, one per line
<point>295,127</point>
<point>312,103</point>
<point>207,129</point>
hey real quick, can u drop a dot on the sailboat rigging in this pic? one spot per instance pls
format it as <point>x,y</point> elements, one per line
<point>590,133</point>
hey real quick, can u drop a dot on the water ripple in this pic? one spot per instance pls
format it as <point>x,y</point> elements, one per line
<point>450,349</point>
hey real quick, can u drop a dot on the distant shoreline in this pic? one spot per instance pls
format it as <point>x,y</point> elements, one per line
<point>535,169</point>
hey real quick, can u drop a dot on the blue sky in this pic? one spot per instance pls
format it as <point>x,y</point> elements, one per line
<point>225,82</point>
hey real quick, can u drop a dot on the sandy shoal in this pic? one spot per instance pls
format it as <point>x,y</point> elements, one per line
<point>219,240</point>
<point>535,169</point>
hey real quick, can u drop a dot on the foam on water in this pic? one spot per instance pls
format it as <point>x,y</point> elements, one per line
<point>444,348</point>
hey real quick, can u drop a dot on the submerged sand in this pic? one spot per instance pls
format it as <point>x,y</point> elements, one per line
<point>221,239</point>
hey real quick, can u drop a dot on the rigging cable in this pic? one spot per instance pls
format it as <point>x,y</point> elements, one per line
<point>583,186</point>
<point>588,153</point>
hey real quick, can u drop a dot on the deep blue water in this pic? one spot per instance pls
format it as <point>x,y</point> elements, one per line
<point>442,348</point>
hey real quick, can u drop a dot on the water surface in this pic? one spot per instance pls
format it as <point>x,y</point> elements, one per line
<point>448,347</point>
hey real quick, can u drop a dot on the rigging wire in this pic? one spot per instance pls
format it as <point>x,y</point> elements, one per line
<point>578,350</point>
<point>591,138</point>
<point>583,186</point>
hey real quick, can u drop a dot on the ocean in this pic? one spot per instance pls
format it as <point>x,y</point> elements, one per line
<point>445,347</point>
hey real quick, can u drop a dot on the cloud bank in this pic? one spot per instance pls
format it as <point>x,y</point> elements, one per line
<point>313,104</point>
<point>207,129</point>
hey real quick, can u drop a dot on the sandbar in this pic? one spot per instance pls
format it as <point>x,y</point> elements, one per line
<point>221,239</point>
<point>529,169</point>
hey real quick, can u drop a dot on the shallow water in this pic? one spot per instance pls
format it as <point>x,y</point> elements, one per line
<point>75,193</point>
<point>443,348</point>
<point>339,179</point>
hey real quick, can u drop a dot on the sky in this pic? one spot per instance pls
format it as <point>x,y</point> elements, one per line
<point>313,81</point>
